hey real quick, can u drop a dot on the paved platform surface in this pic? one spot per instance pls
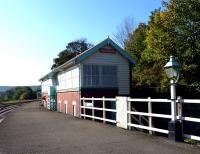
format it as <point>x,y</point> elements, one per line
<point>30,129</point>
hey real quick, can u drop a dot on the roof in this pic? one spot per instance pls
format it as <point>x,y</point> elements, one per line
<point>84,55</point>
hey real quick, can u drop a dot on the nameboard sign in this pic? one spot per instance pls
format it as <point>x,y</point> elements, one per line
<point>88,104</point>
<point>107,49</point>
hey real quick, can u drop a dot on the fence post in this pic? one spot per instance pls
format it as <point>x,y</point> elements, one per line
<point>180,114</point>
<point>121,112</point>
<point>84,107</point>
<point>174,126</point>
<point>104,112</point>
<point>150,111</point>
<point>129,115</point>
<point>179,107</point>
<point>92,108</point>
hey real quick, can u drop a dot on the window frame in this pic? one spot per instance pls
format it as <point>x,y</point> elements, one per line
<point>100,67</point>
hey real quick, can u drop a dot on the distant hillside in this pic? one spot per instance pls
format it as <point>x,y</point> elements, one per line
<point>5,88</point>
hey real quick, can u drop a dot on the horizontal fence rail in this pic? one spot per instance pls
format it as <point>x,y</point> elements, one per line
<point>150,127</point>
<point>189,119</point>
<point>99,99</point>
<point>190,101</point>
<point>97,108</point>
<point>150,114</point>
<point>84,102</point>
<point>147,100</point>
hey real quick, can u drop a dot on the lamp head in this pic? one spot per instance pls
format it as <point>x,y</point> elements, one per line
<point>172,68</point>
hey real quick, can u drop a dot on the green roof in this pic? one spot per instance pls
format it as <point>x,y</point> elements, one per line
<point>84,55</point>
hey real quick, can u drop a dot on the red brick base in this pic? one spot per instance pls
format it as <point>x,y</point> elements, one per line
<point>45,99</point>
<point>68,103</point>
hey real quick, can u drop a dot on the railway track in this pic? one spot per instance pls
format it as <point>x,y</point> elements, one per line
<point>4,108</point>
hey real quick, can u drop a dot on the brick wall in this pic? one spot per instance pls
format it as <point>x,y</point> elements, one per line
<point>45,95</point>
<point>72,100</point>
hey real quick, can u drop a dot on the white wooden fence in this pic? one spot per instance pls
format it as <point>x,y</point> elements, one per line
<point>149,114</point>
<point>88,103</point>
<point>191,119</point>
<point>128,112</point>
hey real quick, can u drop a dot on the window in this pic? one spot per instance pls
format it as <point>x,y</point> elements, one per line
<point>97,75</point>
<point>109,75</point>
<point>62,81</point>
<point>91,75</point>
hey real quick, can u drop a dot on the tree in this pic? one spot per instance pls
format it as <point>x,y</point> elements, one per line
<point>124,31</point>
<point>174,30</point>
<point>186,16</point>
<point>19,93</point>
<point>136,43</point>
<point>72,49</point>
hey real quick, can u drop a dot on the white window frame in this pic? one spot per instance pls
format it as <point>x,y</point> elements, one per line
<point>100,76</point>
<point>91,84</point>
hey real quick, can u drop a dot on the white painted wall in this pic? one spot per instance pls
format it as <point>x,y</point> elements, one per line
<point>46,84</point>
<point>113,59</point>
<point>68,79</point>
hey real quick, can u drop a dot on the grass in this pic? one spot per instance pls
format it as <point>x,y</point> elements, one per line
<point>191,141</point>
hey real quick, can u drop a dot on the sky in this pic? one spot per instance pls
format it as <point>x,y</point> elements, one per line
<point>33,32</point>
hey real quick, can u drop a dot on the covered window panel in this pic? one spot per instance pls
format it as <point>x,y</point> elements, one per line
<point>75,82</point>
<point>109,76</point>
<point>62,76</point>
<point>68,75</point>
<point>68,83</point>
<point>75,72</point>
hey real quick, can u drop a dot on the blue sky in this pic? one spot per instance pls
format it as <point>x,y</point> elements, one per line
<point>33,32</point>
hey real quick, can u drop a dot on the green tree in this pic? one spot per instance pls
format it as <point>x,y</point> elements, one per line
<point>72,49</point>
<point>136,43</point>
<point>174,30</point>
<point>19,93</point>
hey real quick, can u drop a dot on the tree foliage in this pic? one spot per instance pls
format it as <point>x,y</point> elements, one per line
<point>19,93</point>
<point>72,49</point>
<point>174,30</point>
<point>136,43</point>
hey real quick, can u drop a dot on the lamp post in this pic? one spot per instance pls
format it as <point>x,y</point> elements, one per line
<point>172,69</point>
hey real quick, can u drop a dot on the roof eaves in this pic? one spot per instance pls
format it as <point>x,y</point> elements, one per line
<point>122,52</point>
<point>92,50</point>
